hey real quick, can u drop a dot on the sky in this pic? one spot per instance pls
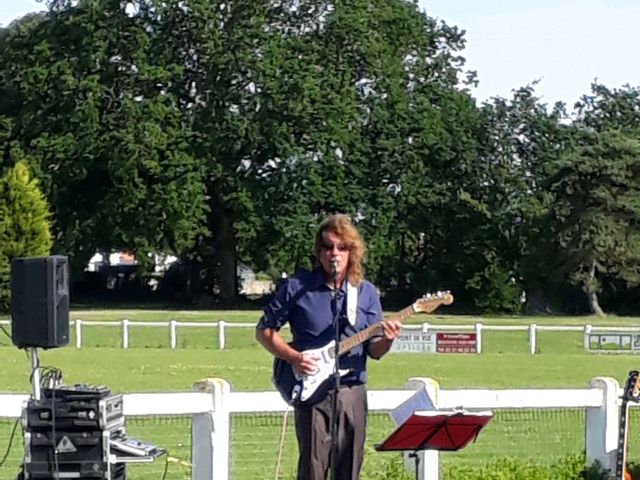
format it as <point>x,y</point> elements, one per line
<point>564,45</point>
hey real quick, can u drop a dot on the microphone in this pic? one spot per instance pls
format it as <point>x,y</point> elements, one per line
<point>334,271</point>
<point>334,267</point>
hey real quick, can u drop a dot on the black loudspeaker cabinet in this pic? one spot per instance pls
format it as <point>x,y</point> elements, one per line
<point>40,302</point>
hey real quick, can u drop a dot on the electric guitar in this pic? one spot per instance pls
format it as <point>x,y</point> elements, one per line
<point>300,389</point>
<point>631,393</point>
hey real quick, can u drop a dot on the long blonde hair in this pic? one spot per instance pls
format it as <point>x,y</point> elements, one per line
<point>341,225</point>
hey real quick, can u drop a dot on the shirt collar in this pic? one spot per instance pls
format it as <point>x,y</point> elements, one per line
<point>318,280</point>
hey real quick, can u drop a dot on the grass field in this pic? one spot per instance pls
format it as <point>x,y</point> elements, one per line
<point>149,365</point>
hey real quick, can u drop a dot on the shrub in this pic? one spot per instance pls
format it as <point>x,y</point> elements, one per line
<point>566,468</point>
<point>495,289</point>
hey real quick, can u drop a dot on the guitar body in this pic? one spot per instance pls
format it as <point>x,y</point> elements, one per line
<point>297,389</point>
<point>285,381</point>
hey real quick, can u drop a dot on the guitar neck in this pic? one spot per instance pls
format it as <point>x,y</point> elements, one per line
<point>631,393</point>
<point>348,343</point>
<point>621,454</point>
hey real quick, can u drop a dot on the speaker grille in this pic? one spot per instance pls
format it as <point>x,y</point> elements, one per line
<point>40,302</point>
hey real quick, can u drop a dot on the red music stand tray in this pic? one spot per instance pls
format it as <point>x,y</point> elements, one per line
<point>447,430</point>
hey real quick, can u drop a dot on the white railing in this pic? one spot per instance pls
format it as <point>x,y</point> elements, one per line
<point>209,445</point>
<point>125,325</point>
<point>212,404</point>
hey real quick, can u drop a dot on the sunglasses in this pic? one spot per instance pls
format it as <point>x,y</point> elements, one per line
<point>340,246</point>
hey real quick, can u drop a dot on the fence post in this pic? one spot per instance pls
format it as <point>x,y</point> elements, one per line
<point>125,333</point>
<point>425,327</point>
<point>601,425</point>
<point>587,332</point>
<point>78,333</point>
<point>210,434</point>
<point>479,337</point>
<point>221,326</point>
<point>532,338</point>
<point>172,334</point>
<point>428,460</point>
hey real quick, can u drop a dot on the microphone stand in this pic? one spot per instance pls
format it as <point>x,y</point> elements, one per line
<point>336,374</point>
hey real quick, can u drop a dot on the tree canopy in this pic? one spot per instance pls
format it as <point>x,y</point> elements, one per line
<point>222,132</point>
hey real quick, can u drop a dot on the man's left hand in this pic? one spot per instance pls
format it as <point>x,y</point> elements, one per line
<point>391,329</point>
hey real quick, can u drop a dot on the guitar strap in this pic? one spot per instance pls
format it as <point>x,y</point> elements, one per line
<point>352,303</point>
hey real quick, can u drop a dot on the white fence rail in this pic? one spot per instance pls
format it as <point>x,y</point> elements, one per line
<point>173,326</point>
<point>210,446</point>
<point>212,404</point>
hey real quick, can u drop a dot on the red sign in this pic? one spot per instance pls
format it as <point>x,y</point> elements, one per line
<point>456,343</point>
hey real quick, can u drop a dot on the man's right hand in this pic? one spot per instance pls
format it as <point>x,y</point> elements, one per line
<point>305,363</point>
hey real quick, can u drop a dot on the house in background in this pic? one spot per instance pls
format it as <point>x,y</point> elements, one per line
<point>118,267</point>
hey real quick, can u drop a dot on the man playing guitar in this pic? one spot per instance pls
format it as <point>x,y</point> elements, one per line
<point>305,302</point>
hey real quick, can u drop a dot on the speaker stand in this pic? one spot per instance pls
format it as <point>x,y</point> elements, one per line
<point>35,372</point>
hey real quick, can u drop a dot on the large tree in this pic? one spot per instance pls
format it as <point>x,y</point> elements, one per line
<point>592,226</point>
<point>305,108</point>
<point>90,105</point>
<point>595,216</point>
<point>261,115</point>
<point>370,100</point>
<point>520,137</point>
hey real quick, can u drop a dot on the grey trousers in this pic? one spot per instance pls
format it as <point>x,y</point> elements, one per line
<point>313,431</point>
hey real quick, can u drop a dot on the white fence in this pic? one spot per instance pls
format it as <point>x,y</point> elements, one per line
<point>126,325</point>
<point>210,445</point>
<point>212,404</point>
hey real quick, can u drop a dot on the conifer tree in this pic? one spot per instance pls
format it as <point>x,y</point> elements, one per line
<point>24,222</point>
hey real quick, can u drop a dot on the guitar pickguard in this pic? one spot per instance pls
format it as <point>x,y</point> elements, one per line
<point>325,361</point>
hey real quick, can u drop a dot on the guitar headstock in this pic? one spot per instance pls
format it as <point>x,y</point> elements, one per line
<point>430,301</point>
<point>632,387</point>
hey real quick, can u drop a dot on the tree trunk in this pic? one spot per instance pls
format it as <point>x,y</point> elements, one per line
<point>592,293</point>
<point>594,305</point>
<point>224,281</point>
<point>402,284</point>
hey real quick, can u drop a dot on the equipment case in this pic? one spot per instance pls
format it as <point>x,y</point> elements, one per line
<point>79,455</point>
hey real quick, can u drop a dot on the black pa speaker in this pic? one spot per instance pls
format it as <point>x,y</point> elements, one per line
<point>40,302</point>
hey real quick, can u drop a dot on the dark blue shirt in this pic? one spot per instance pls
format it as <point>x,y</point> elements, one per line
<point>304,301</point>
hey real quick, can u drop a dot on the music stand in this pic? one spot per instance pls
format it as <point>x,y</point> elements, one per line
<point>446,430</point>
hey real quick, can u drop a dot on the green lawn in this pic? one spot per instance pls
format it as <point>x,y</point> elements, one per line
<point>149,365</point>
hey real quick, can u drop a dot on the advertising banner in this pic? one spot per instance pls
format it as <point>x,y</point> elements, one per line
<point>456,342</point>
<point>623,342</point>
<point>413,341</point>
